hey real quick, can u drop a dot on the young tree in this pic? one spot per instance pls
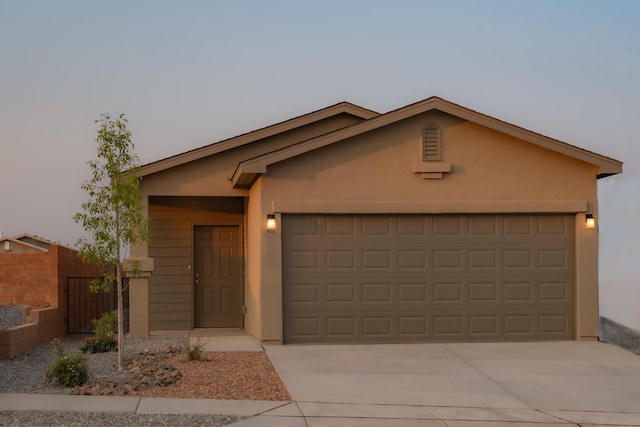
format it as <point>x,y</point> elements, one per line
<point>114,213</point>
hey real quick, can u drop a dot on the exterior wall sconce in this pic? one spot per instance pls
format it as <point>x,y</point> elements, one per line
<point>590,221</point>
<point>271,223</point>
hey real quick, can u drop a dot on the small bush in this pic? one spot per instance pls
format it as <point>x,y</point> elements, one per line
<point>107,324</point>
<point>67,371</point>
<point>193,351</point>
<point>104,340</point>
<point>99,344</point>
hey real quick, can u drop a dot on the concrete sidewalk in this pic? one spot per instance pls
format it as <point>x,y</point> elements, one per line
<point>314,414</point>
<point>502,384</point>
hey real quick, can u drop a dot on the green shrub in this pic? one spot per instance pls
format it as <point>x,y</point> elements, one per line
<point>99,344</point>
<point>104,340</point>
<point>193,351</point>
<point>67,371</point>
<point>107,324</point>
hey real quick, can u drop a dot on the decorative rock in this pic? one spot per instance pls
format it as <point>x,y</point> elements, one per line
<point>145,370</point>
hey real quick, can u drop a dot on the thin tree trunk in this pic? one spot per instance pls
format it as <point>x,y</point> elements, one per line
<point>120,310</point>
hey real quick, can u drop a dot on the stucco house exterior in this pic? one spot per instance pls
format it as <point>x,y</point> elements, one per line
<point>432,222</point>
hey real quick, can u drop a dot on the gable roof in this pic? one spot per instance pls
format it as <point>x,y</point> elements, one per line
<point>18,242</point>
<point>249,137</point>
<point>248,171</point>
<point>35,240</point>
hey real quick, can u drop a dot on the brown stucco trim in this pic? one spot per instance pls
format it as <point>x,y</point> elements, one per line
<point>217,147</point>
<point>248,171</point>
<point>434,207</point>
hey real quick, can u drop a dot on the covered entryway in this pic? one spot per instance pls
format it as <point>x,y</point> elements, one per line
<point>218,277</point>
<point>403,278</point>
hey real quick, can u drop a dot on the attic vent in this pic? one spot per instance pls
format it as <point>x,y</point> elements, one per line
<point>431,143</point>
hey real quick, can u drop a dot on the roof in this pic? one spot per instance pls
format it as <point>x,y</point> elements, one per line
<point>256,135</point>
<point>248,171</point>
<point>35,240</point>
<point>30,245</point>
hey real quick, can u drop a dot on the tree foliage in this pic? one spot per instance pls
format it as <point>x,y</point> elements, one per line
<point>114,213</point>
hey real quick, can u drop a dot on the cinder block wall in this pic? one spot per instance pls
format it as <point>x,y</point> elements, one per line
<point>38,281</point>
<point>25,280</point>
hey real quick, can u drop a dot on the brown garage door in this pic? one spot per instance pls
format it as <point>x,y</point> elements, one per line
<point>404,278</point>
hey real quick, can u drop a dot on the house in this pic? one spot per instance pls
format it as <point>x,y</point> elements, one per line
<point>432,222</point>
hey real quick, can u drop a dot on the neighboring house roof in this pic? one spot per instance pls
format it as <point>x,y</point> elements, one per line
<point>22,243</point>
<point>249,170</point>
<point>246,138</point>
<point>35,241</point>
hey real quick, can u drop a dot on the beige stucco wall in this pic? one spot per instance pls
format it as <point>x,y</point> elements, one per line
<point>375,171</point>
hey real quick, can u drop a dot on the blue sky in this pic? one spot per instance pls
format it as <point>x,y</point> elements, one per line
<point>190,73</point>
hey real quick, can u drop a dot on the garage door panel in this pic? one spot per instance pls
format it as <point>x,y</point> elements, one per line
<point>339,259</point>
<point>483,226</point>
<point>554,226</point>
<point>447,226</point>
<point>376,226</point>
<point>376,259</point>
<point>302,226</point>
<point>341,293</point>
<point>483,258</point>
<point>412,225</point>
<point>379,293</point>
<point>412,293</point>
<point>483,292</point>
<point>304,293</point>
<point>409,278</point>
<point>555,292</point>
<point>553,324</point>
<point>340,226</point>
<point>517,226</point>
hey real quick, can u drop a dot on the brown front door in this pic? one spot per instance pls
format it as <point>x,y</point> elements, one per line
<point>218,277</point>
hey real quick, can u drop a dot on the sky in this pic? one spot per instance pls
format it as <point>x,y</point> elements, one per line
<point>190,73</point>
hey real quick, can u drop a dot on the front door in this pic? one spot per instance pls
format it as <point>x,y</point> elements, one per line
<point>218,277</point>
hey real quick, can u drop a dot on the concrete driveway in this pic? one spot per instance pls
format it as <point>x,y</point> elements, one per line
<point>549,376</point>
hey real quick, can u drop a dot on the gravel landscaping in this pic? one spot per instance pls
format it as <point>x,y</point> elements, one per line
<point>10,316</point>
<point>26,374</point>
<point>614,333</point>
<point>151,364</point>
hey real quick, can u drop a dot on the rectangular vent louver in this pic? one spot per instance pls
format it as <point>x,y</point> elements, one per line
<point>431,143</point>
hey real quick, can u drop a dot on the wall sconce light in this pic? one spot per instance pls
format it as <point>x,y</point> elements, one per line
<point>7,246</point>
<point>591,221</point>
<point>271,223</point>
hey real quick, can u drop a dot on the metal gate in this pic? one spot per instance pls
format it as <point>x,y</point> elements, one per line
<point>83,305</point>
